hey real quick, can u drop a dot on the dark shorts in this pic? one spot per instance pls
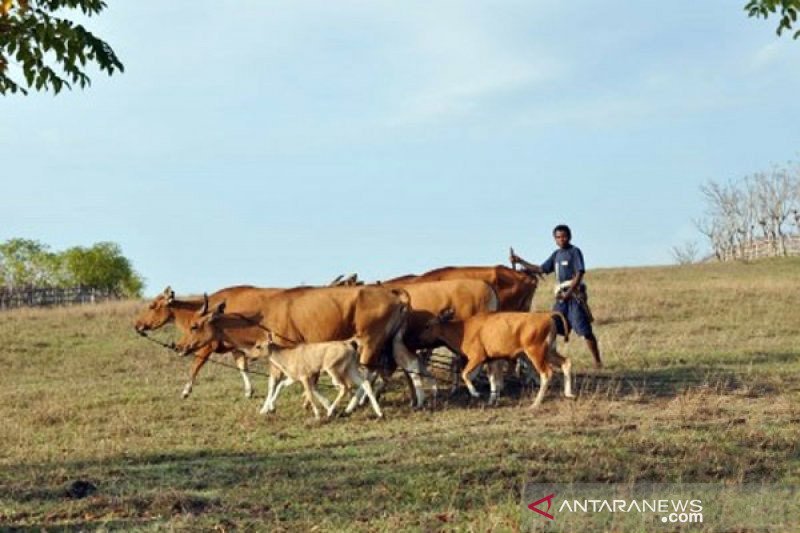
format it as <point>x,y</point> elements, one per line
<point>575,315</point>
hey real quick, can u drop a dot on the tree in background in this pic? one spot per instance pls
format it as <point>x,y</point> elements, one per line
<point>686,254</point>
<point>789,10</point>
<point>29,263</point>
<point>25,262</point>
<point>760,209</point>
<point>102,266</point>
<point>37,40</point>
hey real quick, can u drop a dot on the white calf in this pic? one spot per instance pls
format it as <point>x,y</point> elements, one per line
<point>305,363</point>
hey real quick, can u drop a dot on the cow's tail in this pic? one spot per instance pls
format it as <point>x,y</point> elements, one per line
<point>400,314</point>
<point>560,316</point>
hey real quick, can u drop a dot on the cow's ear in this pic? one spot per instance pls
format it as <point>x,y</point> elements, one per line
<point>218,312</point>
<point>169,294</point>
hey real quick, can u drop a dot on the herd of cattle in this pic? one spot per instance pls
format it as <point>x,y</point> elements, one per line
<point>355,332</point>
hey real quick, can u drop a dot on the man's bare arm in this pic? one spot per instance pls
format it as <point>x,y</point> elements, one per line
<point>515,259</point>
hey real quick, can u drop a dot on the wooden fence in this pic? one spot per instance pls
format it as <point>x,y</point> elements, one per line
<point>764,248</point>
<point>45,296</point>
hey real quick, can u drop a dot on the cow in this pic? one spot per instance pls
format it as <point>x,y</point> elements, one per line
<point>466,297</point>
<point>376,315</point>
<point>305,363</point>
<point>503,335</point>
<point>165,308</point>
<point>515,289</point>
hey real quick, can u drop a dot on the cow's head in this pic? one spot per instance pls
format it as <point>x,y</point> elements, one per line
<point>157,313</point>
<point>203,330</point>
<point>265,347</point>
<point>432,332</point>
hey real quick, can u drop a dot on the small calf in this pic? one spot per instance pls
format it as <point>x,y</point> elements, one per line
<point>491,336</point>
<point>305,363</point>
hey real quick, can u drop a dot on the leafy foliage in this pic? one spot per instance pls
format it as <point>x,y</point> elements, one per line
<point>41,42</point>
<point>788,12</point>
<point>25,262</point>
<point>102,266</point>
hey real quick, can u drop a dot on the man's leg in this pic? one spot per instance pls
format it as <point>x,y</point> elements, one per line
<point>591,342</point>
<point>579,320</point>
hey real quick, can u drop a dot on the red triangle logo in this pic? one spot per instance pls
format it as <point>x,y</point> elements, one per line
<point>549,500</point>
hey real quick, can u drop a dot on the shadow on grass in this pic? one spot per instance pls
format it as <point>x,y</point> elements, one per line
<point>212,488</point>
<point>642,384</point>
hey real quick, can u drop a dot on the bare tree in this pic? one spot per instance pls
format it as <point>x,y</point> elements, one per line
<point>761,207</point>
<point>728,212</point>
<point>774,195</point>
<point>685,254</point>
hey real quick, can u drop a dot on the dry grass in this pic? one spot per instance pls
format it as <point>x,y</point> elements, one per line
<point>701,385</point>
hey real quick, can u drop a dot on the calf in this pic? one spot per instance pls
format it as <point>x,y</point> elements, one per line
<point>503,335</point>
<point>305,363</point>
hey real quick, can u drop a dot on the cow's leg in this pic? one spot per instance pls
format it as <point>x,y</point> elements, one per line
<point>537,355</point>
<point>356,379</point>
<point>470,371</point>
<point>565,363</point>
<point>273,378</point>
<point>360,395</point>
<point>241,363</point>
<point>412,365</point>
<point>309,395</point>
<point>200,358</point>
<point>495,371</point>
<point>277,381</point>
<point>342,389</point>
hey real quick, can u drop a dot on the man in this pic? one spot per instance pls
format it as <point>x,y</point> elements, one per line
<point>571,298</point>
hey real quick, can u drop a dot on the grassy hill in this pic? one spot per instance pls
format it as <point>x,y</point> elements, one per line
<point>702,384</point>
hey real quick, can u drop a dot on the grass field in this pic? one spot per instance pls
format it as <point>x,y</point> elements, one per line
<point>702,384</point>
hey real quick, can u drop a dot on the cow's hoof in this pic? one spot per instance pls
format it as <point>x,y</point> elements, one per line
<point>570,396</point>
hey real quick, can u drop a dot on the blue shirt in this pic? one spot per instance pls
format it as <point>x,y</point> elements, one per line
<point>569,260</point>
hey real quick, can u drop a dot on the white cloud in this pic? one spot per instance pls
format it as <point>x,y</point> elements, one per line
<point>767,55</point>
<point>463,62</point>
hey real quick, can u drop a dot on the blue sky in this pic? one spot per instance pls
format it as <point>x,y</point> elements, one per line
<point>279,143</point>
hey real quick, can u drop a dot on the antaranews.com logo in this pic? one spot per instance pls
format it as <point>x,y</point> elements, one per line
<point>659,507</point>
<point>671,511</point>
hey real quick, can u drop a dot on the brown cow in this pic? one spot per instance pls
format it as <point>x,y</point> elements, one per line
<point>466,297</point>
<point>165,308</point>
<point>514,289</point>
<point>502,336</point>
<point>376,315</point>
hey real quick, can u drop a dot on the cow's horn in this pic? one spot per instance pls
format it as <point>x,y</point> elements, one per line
<point>204,309</point>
